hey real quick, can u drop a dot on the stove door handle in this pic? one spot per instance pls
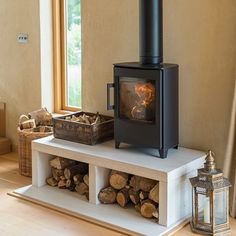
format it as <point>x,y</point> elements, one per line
<point>109,106</point>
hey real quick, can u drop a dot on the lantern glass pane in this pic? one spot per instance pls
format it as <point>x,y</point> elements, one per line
<point>220,207</point>
<point>204,215</point>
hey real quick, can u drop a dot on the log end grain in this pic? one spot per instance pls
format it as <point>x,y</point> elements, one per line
<point>107,195</point>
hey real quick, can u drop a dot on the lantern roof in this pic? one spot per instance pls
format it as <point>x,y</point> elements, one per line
<point>209,177</point>
<point>210,185</point>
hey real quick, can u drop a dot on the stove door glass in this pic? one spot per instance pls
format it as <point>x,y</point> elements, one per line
<point>137,99</point>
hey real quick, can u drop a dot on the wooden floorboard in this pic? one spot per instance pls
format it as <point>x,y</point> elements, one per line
<point>18,217</point>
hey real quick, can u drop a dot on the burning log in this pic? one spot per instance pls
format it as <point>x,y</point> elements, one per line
<point>122,197</point>
<point>61,163</point>
<point>118,179</point>
<point>145,97</point>
<point>107,195</point>
<point>52,182</point>
<point>148,209</point>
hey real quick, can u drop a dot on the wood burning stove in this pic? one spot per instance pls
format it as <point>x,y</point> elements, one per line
<point>146,92</point>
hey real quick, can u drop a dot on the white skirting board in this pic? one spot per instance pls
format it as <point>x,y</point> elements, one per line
<point>127,220</point>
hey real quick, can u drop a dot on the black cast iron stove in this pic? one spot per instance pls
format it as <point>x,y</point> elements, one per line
<point>146,92</point>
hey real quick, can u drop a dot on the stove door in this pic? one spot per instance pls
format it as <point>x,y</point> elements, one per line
<point>137,99</point>
<point>138,106</point>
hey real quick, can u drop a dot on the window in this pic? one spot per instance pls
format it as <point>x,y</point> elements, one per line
<point>67,54</point>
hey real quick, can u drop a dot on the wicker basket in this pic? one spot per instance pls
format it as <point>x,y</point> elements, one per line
<point>83,133</point>
<point>25,138</point>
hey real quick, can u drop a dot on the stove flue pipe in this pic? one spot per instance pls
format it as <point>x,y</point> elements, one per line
<point>151,31</point>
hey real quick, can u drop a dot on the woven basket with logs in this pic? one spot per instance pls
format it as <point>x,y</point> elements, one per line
<point>132,190</point>
<point>69,174</point>
<point>25,137</point>
<point>84,127</point>
<point>30,127</point>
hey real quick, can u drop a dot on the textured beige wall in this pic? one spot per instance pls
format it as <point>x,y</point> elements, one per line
<point>198,35</point>
<point>20,67</point>
<point>110,34</point>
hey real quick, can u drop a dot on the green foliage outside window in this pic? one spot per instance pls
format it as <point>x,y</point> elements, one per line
<point>74,52</point>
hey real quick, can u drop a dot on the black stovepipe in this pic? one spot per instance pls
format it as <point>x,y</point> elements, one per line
<point>151,31</point>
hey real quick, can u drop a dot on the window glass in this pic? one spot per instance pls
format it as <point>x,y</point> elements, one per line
<point>73,53</point>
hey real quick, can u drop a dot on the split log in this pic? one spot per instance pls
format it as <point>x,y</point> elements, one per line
<point>81,168</point>
<point>107,195</point>
<point>82,188</point>
<point>155,214</point>
<point>52,182</point>
<point>118,180</point>
<point>74,118</point>
<point>143,195</point>
<point>148,209</point>
<point>61,163</point>
<point>134,196</point>
<point>78,178</point>
<point>122,197</point>
<point>56,173</point>
<point>154,193</point>
<point>62,177</point>
<point>128,187</point>
<point>70,185</point>
<point>41,116</point>
<point>86,120</point>
<point>62,184</point>
<point>141,183</point>
<point>86,179</point>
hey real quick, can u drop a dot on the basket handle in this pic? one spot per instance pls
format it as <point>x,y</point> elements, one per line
<point>22,119</point>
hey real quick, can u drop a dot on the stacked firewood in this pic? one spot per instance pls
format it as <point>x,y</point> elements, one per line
<point>87,119</point>
<point>141,192</point>
<point>69,174</point>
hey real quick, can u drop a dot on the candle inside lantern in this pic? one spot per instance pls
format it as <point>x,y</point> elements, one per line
<point>207,210</point>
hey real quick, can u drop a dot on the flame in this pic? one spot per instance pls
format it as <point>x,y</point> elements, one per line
<point>146,95</point>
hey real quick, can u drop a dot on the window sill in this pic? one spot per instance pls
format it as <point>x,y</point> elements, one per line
<point>65,112</point>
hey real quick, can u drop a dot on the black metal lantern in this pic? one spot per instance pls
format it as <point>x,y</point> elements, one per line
<point>210,200</point>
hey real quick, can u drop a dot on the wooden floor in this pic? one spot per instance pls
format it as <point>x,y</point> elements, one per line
<point>21,218</point>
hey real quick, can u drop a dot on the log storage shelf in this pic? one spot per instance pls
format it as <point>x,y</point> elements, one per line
<point>172,175</point>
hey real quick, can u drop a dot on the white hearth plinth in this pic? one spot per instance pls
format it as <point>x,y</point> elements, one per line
<point>173,173</point>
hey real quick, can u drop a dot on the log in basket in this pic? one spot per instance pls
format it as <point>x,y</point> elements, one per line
<point>25,137</point>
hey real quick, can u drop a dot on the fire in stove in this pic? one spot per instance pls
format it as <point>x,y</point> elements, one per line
<point>145,97</point>
<point>137,99</point>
